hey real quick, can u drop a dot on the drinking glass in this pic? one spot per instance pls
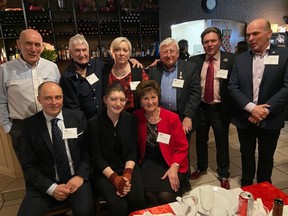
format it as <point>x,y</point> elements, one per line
<point>206,198</point>
<point>189,204</point>
<point>218,211</point>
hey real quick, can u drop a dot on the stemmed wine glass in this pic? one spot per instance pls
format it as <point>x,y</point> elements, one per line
<point>206,198</point>
<point>189,204</point>
<point>218,211</point>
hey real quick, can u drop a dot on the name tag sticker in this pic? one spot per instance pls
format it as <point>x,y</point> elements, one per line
<point>134,84</point>
<point>70,133</point>
<point>222,74</point>
<point>178,83</point>
<point>163,138</point>
<point>92,79</point>
<point>271,60</point>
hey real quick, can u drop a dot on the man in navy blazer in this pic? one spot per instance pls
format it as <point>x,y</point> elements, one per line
<point>216,112</point>
<point>82,79</point>
<point>259,86</point>
<point>43,187</point>
<point>181,78</point>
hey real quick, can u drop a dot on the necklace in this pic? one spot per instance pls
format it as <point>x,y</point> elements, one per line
<point>154,118</point>
<point>118,73</point>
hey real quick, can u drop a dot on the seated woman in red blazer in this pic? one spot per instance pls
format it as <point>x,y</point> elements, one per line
<point>163,147</point>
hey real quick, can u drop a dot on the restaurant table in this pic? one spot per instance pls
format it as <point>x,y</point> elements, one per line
<point>266,191</point>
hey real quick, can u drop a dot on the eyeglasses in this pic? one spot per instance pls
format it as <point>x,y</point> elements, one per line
<point>172,52</point>
<point>116,99</point>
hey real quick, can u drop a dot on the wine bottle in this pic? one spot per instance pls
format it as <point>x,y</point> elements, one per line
<point>3,55</point>
<point>93,53</point>
<point>17,52</point>
<point>63,54</point>
<point>11,54</point>
<point>67,53</point>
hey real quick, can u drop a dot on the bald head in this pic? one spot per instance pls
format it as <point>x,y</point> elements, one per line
<point>29,32</point>
<point>30,43</point>
<point>265,24</point>
<point>258,34</point>
<point>50,96</point>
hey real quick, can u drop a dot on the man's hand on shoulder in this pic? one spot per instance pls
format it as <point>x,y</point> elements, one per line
<point>135,63</point>
<point>156,61</point>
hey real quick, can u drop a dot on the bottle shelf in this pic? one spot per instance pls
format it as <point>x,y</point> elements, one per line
<point>100,25</point>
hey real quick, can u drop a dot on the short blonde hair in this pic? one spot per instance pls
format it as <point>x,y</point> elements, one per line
<point>78,39</point>
<point>116,42</point>
<point>169,41</point>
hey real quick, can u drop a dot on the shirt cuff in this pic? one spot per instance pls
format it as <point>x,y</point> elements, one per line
<point>7,127</point>
<point>51,189</point>
<point>249,107</point>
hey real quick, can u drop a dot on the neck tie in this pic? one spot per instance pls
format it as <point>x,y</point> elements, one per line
<point>60,155</point>
<point>209,84</point>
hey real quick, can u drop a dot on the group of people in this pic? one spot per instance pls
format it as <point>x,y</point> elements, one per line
<point>115,131</point>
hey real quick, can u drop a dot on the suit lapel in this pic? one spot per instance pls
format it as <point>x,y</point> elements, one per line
<point>183,71</point>
<point>44,131</point>
<point>268,67</point>
<point>224,65</point>
<point>68,123</point>
<point>159,73</point>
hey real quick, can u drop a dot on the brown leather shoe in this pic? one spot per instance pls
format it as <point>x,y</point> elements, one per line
<point>225,183</point>
<point>197,174</point>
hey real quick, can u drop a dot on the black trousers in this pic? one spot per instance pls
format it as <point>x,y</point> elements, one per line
<point>16,133</point>
<point>267,143</point>
<point>36,203</point>
<point>212,116</point>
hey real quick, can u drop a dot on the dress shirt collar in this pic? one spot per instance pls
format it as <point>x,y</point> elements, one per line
<point>25,64</point>
<point>216,57</point>
<point>49,118</point>
<point>265,52</point>
<point>73,72</point>
<point>171,69</point>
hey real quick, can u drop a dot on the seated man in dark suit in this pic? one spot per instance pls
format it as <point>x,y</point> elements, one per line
<point>56,169</point>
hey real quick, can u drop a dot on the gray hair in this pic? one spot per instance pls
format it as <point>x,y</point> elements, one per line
<point>78,39</point>
<point>169,41</point>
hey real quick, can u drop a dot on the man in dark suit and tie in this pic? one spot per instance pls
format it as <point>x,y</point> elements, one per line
<point>259,86</point>
<point>55,173</point>
<point>214,108</point>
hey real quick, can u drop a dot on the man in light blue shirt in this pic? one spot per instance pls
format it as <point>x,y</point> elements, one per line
<point>19,80</point>
<point>180,84</point>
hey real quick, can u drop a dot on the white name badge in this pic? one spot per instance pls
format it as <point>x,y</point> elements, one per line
<point>134,84</point>
<point>92,79</point>
<point>178,83</point>
<point>271,60</point>
<point>222,74</point>
<point>69,133</point>
<point>163,138</point>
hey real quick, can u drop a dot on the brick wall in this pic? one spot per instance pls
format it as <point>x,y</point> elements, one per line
<point>178,11</point>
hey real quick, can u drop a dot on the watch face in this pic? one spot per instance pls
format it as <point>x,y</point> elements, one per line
<point>210,4</point>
